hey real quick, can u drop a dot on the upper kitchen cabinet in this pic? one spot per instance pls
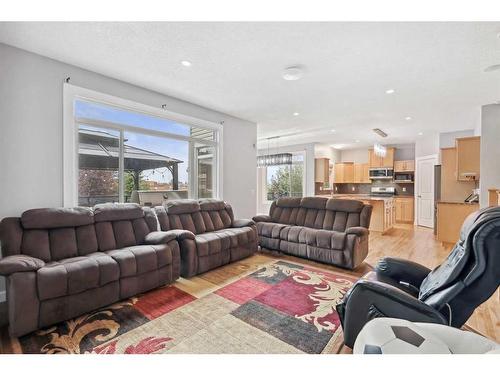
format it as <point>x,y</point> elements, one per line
<point>404,166</point>
<point>386,161</point>
<point>362,173</point>
<point>468,153</point>
<point>344,173</point>
<point>322,170</point>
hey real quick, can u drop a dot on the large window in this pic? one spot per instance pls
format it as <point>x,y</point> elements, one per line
<point>285,180</point>
<point>126,155</point>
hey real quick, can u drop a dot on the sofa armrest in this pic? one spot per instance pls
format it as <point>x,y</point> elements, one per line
<point>182,234</point>
<point>240,223</point>
<point>402,270</point>
<point>158,237</point>
<point>261,218</point>
<point>19,263</point>
<point>358,231</point>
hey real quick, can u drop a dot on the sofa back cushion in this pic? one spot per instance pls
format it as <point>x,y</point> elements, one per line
<point>57,233</point>
<point>197,216</point>
<point>52,234</point>
<point>321,213</point>
<point>119,225</point>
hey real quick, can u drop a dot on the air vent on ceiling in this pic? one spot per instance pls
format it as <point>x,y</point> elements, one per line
<point>380,132</point>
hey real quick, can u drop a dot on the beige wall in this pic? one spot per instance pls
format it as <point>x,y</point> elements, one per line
<point>490,150</point>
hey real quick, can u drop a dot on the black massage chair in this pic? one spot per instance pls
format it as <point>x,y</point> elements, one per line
<point>448,295</point>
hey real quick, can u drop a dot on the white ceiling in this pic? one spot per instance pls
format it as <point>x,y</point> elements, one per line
<point>435,68</point>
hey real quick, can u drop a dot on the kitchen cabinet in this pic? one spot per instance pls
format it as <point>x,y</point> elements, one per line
<point>344,173</point>
<point>322,170</point>
<point>468,153</point>
<point>404,166</point>
<point>366,173</point>
<point>404,209</point>
<point>386,161</point>
<point>451,188</point>
<point>450,217</point>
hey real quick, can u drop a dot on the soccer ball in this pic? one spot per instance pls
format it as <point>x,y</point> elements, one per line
<point>397,336</point>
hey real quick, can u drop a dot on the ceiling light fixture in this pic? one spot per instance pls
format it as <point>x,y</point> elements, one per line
<point>267,160</point>
<point>357,141</point>
<point>420,133</point>
<point>379,150</point>
<point>408,118</point>
<point>390,91</point>
<point>296,113</point>
<point>292,73</point>
<point>333,130</point>
<point>186,63</point>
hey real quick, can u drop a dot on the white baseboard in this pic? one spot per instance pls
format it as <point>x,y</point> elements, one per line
<point>3,295</point>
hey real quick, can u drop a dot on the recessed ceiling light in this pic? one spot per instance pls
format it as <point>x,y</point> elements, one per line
<point>408,118</point>
<point>333,130</point>
<point>357,141</point>
<point>390,91</point>
<point>292,73</point>
<point>492,68</point>
<point>420,133</point>
<point>296,113</point>
<point>185,63</point>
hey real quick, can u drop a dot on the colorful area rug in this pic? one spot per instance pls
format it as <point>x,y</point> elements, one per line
<point>283,307</point>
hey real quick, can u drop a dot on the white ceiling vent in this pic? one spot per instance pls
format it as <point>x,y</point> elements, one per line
<point>380,132</point>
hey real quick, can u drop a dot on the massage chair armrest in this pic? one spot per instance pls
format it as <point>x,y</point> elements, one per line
<point>402,270</point>
<point>159,237</point>
<point>240,223</point>
<point>369,299</point>
<point>358,231</point>
<point>262,218</point>
<point>19,263</point>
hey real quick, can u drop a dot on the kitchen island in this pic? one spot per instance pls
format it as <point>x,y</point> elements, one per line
<point>383,213</point>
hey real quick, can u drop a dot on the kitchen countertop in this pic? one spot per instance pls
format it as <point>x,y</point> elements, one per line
<point>365,197</point>
<point>458,202</point>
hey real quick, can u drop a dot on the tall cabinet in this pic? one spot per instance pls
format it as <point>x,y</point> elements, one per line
<point>386,161</point>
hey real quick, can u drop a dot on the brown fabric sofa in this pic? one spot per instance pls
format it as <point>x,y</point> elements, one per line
<point>333,231</point>
<point>63,262</point>
<point>207,233</point>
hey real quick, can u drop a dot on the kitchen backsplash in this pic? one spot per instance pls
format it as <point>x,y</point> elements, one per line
<point>365,188</point>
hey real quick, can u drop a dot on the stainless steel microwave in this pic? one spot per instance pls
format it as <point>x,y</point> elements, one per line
<point>381,173</point>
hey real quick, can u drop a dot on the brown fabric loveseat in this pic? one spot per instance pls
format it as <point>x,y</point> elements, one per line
<point>63,262</point>
<point>333,231</point>
<point>207,233</point>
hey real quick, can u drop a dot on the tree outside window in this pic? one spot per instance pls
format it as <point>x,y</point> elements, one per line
<point>286,180</point>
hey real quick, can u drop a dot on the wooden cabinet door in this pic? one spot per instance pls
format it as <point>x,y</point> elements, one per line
<point>321,170</point>
<point>410,166</point>
<point>366,173</point>
<point>374,160</point>
<point>468,151</point>
<point>399,210</point>
<point>399,166</point>
<point>339,173</point>
<point>358,173</point>
<point>388,159</point>
<point>348,172</point>
<point>408,210</point>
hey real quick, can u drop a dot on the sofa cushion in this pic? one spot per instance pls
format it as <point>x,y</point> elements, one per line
<point>325,238</point>
<point>45,218</point>
<point>117,211</point>
<point>136,260</point>
<point>182,206</point>
<point>293,233</point>
<point>270,230</point>
<point>214,242</point>
<point>76,275</point>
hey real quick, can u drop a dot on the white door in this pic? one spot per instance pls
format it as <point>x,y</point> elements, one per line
<point>425,190</point>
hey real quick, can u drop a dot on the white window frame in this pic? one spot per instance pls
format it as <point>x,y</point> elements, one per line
<point>71,93</point>
<point>263,178</point>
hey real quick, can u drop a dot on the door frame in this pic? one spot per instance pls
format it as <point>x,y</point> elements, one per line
<point>434,157</point>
